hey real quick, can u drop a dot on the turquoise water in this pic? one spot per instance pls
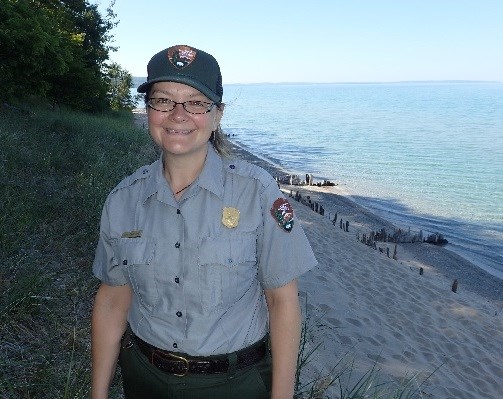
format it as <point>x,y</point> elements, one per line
<point>423,155</point>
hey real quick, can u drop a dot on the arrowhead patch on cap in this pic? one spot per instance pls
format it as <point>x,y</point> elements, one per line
<point>181,56</point>
<point>282,212</point>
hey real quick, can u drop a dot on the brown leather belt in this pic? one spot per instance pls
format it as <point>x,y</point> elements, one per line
<point>180,364</point>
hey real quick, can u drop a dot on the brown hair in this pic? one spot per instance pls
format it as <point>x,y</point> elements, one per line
<point>219,140</point>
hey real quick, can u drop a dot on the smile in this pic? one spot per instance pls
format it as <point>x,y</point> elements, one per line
<point>179,132</point>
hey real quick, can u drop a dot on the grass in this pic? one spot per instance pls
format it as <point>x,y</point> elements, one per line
<point>56,168</point>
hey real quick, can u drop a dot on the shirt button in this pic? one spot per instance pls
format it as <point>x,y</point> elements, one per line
<point>124,262</point>
<point>178,211</point>
<point>177,245</point>
<point>175,345</point>
<point>177,280</point>
<point>179,314</point>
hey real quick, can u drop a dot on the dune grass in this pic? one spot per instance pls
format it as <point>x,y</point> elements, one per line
<point>341,380</point>
<point>56,168</point>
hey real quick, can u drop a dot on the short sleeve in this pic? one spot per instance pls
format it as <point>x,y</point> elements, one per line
<point>105,266</point>
<point>284,251</point>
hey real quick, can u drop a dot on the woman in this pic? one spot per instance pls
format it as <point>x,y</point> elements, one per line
<point>198,257</point>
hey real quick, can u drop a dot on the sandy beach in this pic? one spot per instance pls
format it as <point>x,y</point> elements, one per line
<point>373,310</point>
<point>376,311</point>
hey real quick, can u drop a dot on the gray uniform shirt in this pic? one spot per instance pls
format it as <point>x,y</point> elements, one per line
<point>198,282</point>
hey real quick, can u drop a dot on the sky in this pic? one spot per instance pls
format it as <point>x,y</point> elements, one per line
<point>321,41</point>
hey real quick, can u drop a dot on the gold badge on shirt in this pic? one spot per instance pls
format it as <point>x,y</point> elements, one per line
<point>230,217</point>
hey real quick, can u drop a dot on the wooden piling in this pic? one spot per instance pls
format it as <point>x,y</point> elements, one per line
<point>454,287</point>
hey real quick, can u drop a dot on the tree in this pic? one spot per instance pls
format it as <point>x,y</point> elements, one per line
<point>120,82</point>
<point>33,50</point>
<point>56,49</point>
<point>85,86</point>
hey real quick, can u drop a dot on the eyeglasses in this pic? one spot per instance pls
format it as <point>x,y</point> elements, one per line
<point>192,107</point>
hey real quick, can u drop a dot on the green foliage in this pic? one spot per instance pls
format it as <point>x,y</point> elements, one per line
<point>56,49</point>
<point>33,49</point>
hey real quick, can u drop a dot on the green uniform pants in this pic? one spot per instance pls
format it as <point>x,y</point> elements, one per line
<point>141,380</point>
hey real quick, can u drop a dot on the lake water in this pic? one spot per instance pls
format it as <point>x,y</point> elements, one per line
<point>424,155</point>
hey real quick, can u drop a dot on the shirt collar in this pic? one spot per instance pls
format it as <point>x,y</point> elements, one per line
<point>156,180</point>
<point>211,177</point>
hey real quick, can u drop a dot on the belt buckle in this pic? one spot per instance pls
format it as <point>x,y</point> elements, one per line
<point>184,360</point>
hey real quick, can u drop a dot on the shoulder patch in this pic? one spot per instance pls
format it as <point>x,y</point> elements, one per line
<point>282,212</point>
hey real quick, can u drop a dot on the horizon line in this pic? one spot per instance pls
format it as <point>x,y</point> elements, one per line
<point>355,82</point>
<point>368,82</point>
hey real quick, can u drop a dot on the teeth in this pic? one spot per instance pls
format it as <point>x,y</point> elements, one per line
<point>173,131</point>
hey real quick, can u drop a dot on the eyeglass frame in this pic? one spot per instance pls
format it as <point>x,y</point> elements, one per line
<point>174,103</point>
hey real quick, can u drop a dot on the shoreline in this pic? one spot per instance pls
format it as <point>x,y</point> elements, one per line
<point>334,199</point>
<point>367,311</point>
<point>440,259</point>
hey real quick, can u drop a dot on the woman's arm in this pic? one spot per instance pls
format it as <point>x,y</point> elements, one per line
<point>109,321</point>
<point>285,327</point>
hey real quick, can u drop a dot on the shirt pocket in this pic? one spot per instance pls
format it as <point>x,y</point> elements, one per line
<point>227,269</point>
<point>135,257</point>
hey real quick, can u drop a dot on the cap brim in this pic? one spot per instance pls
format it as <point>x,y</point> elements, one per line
<point>144,87</point>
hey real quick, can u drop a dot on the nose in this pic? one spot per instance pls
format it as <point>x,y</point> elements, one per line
<point>178,112</point>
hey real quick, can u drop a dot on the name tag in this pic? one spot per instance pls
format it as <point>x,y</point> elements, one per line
<point>132,234</point>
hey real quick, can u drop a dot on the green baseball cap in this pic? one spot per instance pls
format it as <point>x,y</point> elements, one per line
<point>187,65</point>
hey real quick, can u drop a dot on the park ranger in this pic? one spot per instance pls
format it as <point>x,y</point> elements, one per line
<point>198,257</point>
